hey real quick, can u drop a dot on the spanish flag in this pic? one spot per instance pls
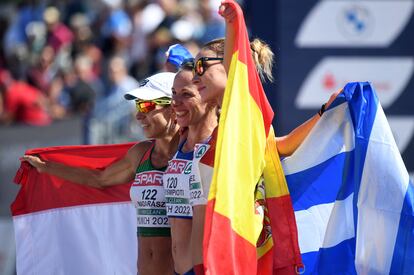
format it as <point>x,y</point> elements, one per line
<point>243,156</point>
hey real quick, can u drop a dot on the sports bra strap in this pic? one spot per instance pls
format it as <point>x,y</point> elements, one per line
<point>147,153</point>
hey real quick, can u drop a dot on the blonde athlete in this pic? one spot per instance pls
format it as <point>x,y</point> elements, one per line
<point>211,67</point>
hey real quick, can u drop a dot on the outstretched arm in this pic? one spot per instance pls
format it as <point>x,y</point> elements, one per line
<point>119,172</point>
<point>288,144</point>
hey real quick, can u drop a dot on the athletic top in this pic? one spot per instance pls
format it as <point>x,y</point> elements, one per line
<point>176,184</point>
<point>147,193</point>
<point>202,170</point>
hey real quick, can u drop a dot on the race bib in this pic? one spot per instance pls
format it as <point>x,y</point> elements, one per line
<point>147,193</point>
<point>176,185</point>
<point>197,195</point>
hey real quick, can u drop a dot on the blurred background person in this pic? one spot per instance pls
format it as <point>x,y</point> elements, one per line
<point>23,103</point>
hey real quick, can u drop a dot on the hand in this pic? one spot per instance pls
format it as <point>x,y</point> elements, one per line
<point>228,11</point>
<point>332,98</point>
<point>35,161</point>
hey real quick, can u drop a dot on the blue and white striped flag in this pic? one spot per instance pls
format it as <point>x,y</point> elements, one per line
<point>352,195</point>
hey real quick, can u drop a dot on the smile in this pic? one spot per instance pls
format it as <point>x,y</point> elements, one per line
<point>180,114</point>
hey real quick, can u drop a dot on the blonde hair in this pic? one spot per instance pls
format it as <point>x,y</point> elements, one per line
<point>215,45</point>
<point>263,59</point>
<point>261,53</point>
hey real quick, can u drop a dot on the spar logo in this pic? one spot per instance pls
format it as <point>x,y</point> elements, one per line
<point>389,76</point>
<point>177,166</point>
<point>187,169</point>
<point>200,149</point>
<point>354,23</point>
<point>148,178</point>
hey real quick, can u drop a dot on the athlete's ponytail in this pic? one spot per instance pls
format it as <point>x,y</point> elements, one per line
<point>261,53</point>
<point>263,59</point>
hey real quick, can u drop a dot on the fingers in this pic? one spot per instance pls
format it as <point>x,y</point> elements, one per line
<point>33,160</point>
<point>332,98</point>
<point>25,158</point>
<point>228,12</point>
<point>221,9</point>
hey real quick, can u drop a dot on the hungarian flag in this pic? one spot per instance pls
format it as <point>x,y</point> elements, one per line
<point>232,225</point>
<point>66,228</point>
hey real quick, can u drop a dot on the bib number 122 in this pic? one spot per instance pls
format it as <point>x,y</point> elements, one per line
<point>149,194</point>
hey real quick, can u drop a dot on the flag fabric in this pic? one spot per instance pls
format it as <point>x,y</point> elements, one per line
<point>284,254</point>
<point>232,226</point>
<point>66,228</point>
<point>352,195</point>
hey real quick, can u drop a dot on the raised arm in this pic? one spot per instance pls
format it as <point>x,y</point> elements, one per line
<point>288,144</point>
<point>119,172</point>
<point>229,14</point>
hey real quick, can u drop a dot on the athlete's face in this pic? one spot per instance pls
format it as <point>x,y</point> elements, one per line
<point>158,122</point>
<point>212,82</point>
<point>187,102</point>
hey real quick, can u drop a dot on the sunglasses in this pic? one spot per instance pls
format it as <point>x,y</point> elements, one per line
<point>201,66</point>
<point>146,106</point>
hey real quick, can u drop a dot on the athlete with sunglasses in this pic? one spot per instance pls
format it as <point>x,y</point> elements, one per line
<point>144,163</point>
<point>210,76</point>
<point>199,119</point>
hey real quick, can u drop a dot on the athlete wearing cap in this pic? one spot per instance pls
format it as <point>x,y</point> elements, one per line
<point>144,163</point>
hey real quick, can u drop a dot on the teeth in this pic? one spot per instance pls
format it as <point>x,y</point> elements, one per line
<point>180,113</point>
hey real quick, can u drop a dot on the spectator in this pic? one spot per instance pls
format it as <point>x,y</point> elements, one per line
<point>116,30</point>
<point>83,42</point>
<point>213,26</point>
<point>27,11</point>
<point>112,110</point>
<point>121,81</point>
<point>59,36</point>
<point>81,87</point>
<point>24,103</point>
<point>66,65</point>
<point>42,73</point>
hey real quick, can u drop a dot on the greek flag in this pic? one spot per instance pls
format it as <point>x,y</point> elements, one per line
<point>352,195</point>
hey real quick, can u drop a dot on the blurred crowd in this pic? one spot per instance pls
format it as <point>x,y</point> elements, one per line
<point>75,57</point>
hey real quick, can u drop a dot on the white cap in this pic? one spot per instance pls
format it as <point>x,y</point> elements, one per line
<point>156,86</point>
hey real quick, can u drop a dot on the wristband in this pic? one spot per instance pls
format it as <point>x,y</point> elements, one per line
<point>322,110</point>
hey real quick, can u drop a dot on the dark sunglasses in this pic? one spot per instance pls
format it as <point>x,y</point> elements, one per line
<point>201,66</point>
<point>146,106</point>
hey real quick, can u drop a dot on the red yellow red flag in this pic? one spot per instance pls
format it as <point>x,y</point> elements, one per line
<point>232,225</point>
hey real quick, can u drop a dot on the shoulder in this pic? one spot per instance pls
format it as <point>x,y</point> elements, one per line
<point>139,149</point>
